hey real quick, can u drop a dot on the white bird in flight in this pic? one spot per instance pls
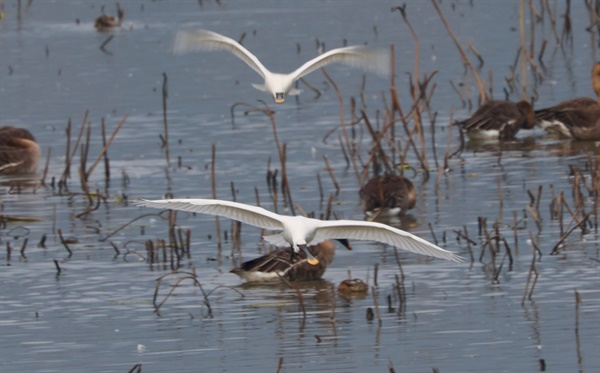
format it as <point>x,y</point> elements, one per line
<point>280,85</point>
<point>299,231</point>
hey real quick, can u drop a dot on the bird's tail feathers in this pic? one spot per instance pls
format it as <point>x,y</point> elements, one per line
<point>294,92</point>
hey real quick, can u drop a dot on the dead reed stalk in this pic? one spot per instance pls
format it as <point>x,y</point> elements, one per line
<point>214,195</point>
<point>165,95</point>
<point>532,272</point>
<point>463,56</point>
<point>103,152</point>
<point>376,306</point>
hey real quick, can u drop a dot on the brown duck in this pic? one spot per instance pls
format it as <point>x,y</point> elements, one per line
<point>392,194</point>
<point>106,22</point>
<point>578,118</point>
<point>499,120</point>
<point>279,264</point>
<point>19,153</point>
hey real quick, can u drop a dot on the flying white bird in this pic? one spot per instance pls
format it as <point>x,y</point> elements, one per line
<point>299,231</point>
<point>280,85</point>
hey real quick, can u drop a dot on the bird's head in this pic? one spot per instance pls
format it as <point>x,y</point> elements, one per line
<point>302,245</point>
<point>279,86</point>
<point>279,97</point>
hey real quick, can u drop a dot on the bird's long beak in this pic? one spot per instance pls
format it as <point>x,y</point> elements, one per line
<point>279,98</point>
<point>311,259</point>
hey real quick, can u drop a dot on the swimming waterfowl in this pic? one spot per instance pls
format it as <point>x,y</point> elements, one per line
<point>298,231</point>
<point>354,285</point>
<point>277,264</point>
<point>107,22</point>
<point>280,85</point>
<point>392,194</point>
<point>497,119</point>
<point>578,118</point>
<point>19,153</point>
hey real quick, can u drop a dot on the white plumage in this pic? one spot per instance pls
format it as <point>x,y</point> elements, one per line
<point>298,231</point>
<point>280,85</point>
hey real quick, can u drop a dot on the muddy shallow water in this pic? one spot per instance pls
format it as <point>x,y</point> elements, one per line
<point>98,313</point>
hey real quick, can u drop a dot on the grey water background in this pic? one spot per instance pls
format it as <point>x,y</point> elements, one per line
<point>97,315</point>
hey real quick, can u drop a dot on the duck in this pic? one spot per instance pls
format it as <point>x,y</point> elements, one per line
<point>279,86</point>
<point>278,264</point>
<point>106,22</point>
<point>353,286</point>
<point>577,119</point>
<point>299,231</point>
<point>497,119</point>
<point>388,195</point>
<point>19,152</point>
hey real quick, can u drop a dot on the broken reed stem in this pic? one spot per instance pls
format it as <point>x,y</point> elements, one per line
<point>414,90</point>
<point>375,273</point>
<point>45,173</point>
<point>500,208</point>
<point>106,161</point>
<point>331,175</point>
<point>469,247</point>
<point>8,251</point>
<point>165,95</point>
<point>186,276</point>
<point>103,153</point>
<point>321,194</point>
<point>463,56</point>
<point>253,109</point>
<point>343,123</point>
<point>435,241</point>
<point>62,240</point>
<point>401,289</point>
<point>92,206</point>
<point>516,237</point>
<point>532,270</point>
<point>58,269</point>
<point>523,49</point>
<point>279,365</point>
<point>286,190</point>
<point>85,148</point>
<point>281,151</point>
<point>377,312</point>
<point>67,172</point>
<point>214,195</point>
<point>558,247</point>
<point>578,300</point>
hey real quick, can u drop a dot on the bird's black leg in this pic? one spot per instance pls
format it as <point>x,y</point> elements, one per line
<point>292,255</point>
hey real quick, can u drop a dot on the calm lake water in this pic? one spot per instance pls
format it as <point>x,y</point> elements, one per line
<point>98,314</point>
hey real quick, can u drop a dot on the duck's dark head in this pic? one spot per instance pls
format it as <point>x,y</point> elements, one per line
<point>527,109</point>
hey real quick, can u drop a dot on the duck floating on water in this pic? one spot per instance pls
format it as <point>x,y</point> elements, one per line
<point>577,119</point>
<point>19,152</point>
<point>388,195</point>
<point>107,22</point>
<point>497,119</point>
<point>278,264</point>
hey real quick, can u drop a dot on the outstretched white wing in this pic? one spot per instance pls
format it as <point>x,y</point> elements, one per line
<point>356,56</point>
<point>197,40</point>
<point>248,214</point>
<point>372,231</point>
